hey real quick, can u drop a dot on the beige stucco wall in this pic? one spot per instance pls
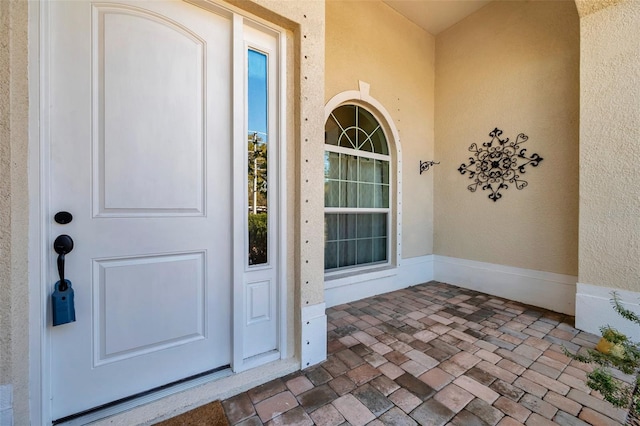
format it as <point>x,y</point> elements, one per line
<point>5,197</point>
<point>515,66</point>
<point>369,41</point>
<point>587,7</point>
<point>14,288</point>
<point>610,147</point>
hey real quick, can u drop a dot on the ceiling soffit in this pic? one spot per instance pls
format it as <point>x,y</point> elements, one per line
<point>435,16</point>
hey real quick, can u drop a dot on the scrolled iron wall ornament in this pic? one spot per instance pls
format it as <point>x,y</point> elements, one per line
<point>498,163</point>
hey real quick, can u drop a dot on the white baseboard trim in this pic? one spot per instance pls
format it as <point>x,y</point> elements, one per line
<point>547,290</point>
<point>594,309</point>
<point>412,271</point>
<point>556,292</point>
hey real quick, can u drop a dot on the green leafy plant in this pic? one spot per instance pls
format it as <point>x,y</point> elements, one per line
<point>257,238</point>
<point>615,350</point>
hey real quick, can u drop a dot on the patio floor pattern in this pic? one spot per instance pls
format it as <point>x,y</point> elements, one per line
<point>436,354</point>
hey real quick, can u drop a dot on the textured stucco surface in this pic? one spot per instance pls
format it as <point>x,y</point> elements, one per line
<point>14,290</point>
<point>610,147</point>
<point>371,42</point>
<point>587,7</point>
<point>5,198</point>
<point>515,66</point>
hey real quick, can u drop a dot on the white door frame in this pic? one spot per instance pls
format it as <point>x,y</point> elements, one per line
<point>39,252</point>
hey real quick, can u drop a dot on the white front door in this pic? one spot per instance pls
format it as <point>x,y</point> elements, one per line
<point>141,154</point>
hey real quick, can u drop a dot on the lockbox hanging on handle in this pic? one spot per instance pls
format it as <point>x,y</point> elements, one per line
<point>62,306</point>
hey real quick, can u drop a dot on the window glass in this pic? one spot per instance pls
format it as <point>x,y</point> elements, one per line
<point>354,127</point>
<point>367,169</point>
<point>257,155</point>
<point>354,239</point>
<point>355,182</point>
<point>357,187</point>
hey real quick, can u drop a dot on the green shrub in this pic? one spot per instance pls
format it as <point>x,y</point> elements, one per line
<point>257,238</point>
<point>615,350</point>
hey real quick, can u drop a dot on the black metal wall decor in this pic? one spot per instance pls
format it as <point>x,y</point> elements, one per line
<point>498,163</point>
<point>424,165</point>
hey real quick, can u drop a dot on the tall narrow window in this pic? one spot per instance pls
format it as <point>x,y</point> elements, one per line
<point>257,156</point>
<point>356,164</point>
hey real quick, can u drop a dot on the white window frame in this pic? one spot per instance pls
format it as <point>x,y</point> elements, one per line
<point>250,34</point>
<point>353,274</point>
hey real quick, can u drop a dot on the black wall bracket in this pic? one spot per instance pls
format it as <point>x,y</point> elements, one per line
<point>425,165</point>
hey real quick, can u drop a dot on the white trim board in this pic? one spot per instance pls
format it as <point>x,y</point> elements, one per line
<point>555,292</point>
<point>594,309</point>
<point>314,332</point>
<point>413,271</point>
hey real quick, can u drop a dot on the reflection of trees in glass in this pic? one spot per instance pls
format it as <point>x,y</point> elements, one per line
<point>257,190</point>
<point>257,238</point>
<point>257,173</point>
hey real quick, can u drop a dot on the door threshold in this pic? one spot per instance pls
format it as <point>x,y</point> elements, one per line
<point>124,404</point>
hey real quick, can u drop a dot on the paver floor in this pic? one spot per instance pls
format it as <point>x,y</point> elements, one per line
<point>436,354</point>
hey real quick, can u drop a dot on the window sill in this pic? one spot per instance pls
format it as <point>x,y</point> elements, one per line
<point>340,279</point>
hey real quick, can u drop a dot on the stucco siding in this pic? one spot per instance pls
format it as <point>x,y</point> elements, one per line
<point>610,147</point>
<point>587,7</point>
<point>14,207</point>
<point>5,196</point>
<point>514,66</point>
<point>371,42</point>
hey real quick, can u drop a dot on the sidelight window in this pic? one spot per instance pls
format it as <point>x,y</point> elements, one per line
<point>257,155</point>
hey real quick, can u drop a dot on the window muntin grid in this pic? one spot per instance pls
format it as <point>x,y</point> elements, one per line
<point>354,181</point>
<point>357,190</point>
<point>354,239</point>
<point>353,127</point>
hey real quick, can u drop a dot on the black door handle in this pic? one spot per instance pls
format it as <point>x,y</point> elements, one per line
<point>62,245</point>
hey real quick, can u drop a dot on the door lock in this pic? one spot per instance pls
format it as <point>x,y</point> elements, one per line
<point>63,218</point>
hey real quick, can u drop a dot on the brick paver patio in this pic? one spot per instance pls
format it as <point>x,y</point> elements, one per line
<point>436,354</point>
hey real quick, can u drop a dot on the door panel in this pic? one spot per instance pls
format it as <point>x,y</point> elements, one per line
<point>260,311</point>
<point>140,153</point>
<point>138,286</point>
<point>147,63</point>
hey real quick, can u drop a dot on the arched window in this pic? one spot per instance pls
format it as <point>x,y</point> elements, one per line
<point>357,188</point>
